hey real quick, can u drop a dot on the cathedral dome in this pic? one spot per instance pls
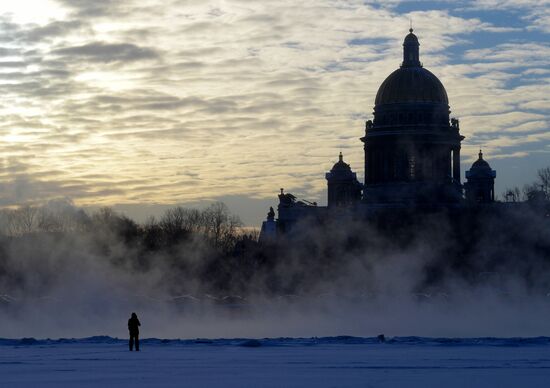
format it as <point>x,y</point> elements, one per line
<point>411,82</point>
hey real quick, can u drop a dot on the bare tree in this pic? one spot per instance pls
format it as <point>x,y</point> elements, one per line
<point>530,191</point>
<point>220,225</point>
<point>49,221</point>
<point>23,220</point>
<point>152,234</point>
<point>3,222</point>
<point>180,222</point>
<point>62,216</point>
<point>544,180</point>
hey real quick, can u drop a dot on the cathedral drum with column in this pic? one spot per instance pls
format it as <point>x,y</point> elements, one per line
<point>412,147</point>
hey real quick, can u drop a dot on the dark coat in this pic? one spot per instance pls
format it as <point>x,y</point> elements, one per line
<point>133,325</point>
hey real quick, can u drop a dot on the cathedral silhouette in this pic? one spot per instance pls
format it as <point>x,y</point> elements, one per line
<point>412,156</point>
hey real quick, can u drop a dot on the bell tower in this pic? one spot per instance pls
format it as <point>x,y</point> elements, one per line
<point>343,187</point>
<point>480,185</point>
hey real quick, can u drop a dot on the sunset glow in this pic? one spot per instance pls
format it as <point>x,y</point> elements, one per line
<point>197,101</point>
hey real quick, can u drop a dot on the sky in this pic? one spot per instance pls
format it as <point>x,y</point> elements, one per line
<point>143,105</point>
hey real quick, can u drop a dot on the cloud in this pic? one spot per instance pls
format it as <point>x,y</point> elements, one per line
<point>28,34</point>
<point>536,12</point>
<point>540,18</point>
<point>519,54</point>
<point>85,8</point>
<point>241,93</point>
<point>107,52</point>
<point>54,29</point>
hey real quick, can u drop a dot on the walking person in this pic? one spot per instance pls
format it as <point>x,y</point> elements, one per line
<point>133,328</point>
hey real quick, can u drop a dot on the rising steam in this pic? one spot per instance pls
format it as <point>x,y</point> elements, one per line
<point>196,273</point>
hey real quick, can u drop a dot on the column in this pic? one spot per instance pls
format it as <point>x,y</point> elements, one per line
<point>449,162</point>
<point>456,164</point>
<point>367,164</point>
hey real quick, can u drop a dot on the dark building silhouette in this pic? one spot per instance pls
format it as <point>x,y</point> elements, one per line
<point>343,187</point>
<point>291,210</point>
<point>412,155</point>
<point>412,149</point>
<point>480,185</point>
<point>269,227</point>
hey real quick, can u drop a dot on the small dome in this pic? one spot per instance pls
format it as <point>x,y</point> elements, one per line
<point>341,165</point>
<point>480,167</point>
<point>341,170</point>
<point>410,38</point>
<point>480,162</point>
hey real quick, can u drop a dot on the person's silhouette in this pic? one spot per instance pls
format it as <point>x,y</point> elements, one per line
<point>133,328</point>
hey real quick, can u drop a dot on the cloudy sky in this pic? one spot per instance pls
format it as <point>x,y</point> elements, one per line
<point>148,103</point>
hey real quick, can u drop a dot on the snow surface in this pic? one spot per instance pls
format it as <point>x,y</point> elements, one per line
<point>280,362</point>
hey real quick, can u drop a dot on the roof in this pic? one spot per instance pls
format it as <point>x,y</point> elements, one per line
<point>480,169</point>
<point>411,84</point>
<point>341,170</point>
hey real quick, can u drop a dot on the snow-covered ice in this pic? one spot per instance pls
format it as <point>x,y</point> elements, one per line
<point>282,362</point>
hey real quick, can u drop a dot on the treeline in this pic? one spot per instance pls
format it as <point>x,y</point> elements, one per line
<point>208,251</point>
<point>214,223</point>
<point>539,189</point>
<point>185,250</point>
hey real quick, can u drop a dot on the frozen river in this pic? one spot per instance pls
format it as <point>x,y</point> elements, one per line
<point>315,362</point>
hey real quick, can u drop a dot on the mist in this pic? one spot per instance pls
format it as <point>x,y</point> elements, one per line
<point>65,273</point>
